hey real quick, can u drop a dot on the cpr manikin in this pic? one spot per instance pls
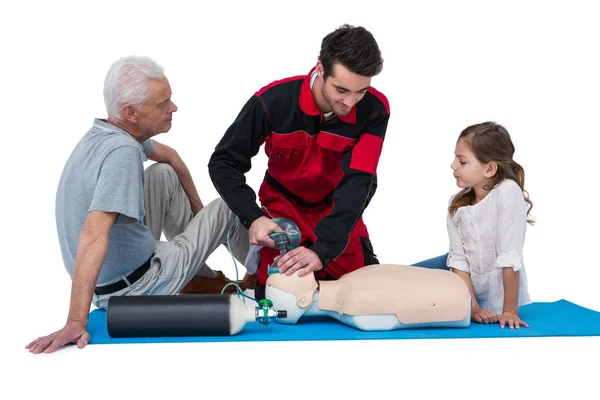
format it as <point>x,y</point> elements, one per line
<point>376,297</point>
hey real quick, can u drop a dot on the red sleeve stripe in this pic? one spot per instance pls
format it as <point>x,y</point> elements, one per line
<point>279,82</point>
<point>365,155</point>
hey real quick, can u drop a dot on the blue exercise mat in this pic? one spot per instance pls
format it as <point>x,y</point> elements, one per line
<point>560,318</point>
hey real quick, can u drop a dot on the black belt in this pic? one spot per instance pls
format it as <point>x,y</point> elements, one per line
<point>122,284</point>
<point>291,196</point>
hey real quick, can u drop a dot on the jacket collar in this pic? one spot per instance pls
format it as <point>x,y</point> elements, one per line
<point>309,106</point>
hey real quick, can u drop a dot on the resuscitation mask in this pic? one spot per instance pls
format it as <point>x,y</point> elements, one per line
<point>285,241</point>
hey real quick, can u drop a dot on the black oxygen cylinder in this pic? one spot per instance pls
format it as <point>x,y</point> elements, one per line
<point>177,315</point>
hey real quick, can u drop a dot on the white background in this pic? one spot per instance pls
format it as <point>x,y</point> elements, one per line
<point>532,66</point>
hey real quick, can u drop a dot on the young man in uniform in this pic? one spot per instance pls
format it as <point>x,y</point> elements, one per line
<point>323,133</point>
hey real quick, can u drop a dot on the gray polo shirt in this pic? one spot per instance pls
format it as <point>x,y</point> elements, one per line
<point>105,172</point>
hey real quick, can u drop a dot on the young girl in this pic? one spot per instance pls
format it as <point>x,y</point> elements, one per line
<point>486,223</point>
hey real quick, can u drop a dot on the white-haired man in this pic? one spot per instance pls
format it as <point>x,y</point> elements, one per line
<point>110,213</point>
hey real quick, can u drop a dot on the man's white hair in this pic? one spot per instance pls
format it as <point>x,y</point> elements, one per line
<point>127,83</point>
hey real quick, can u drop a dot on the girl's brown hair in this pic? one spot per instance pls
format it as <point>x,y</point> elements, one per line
<point>491,142</point>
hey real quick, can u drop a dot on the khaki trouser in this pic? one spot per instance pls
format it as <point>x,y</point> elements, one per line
<point>190,239</point>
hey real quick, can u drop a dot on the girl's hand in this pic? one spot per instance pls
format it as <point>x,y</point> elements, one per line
<point>484,316</point>
<point>513,320</point>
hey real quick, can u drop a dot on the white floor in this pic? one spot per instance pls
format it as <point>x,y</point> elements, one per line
<point>445,368</point>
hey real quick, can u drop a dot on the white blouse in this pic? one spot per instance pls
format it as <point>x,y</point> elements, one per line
<point>489,236</point>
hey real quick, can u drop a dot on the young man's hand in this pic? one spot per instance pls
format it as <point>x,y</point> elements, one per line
<point>301,258</point>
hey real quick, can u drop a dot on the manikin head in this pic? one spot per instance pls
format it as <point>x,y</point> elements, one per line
<point>291,293</point>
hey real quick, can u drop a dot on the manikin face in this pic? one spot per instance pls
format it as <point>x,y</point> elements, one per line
<point>156,114</point>
<point>342,89</point>
<point>468,171</point>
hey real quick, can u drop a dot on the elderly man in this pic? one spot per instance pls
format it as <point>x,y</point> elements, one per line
<point>110,213</point>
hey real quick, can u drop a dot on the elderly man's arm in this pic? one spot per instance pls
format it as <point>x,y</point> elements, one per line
<point>92,249</point>
<point>165,154</point>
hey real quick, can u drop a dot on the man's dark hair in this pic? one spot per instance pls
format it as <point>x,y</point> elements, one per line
<point>353,47</point>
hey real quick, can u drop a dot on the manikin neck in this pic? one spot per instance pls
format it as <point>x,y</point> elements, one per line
<point>314,309</point>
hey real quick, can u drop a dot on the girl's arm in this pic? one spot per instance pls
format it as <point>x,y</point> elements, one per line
<point>457,262</point>
<point>482,316</point>
<point>510,279</point>
<point>510,309</point>
<point>512,223</point>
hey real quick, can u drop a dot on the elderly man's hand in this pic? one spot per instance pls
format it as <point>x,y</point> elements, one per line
<point>72,332</point>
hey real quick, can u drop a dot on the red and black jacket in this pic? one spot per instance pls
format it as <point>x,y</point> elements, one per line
<point>309,158</point>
